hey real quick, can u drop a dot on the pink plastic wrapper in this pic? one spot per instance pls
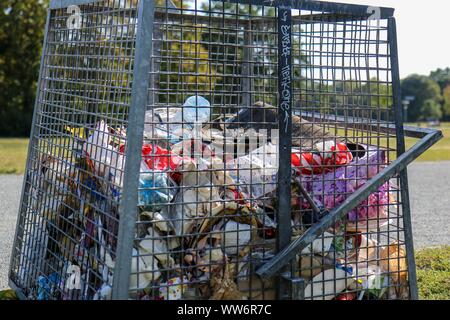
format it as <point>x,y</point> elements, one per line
<point>332,189</point>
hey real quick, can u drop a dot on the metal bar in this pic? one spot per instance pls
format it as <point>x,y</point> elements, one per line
<point>128,206</point>
<point>285,132</point>
<point>156,65</point>
<point>410,131</point>
<point>295,285</point>
<point>321,6</point>
<point>59,4</point>
<point>247,67</point>
<point>397,166</point>
<point>17,289</point>
<point>25,185</point>
<point>256,21</point>
<point>406,209</point>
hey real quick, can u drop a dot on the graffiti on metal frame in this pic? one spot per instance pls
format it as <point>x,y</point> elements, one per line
<point>285,71</point>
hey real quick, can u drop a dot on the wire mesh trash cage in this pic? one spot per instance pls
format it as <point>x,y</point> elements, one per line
<point>217,150</point>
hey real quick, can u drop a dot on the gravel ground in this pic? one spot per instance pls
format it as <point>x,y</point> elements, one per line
<point>430,200</point>
<point>430,203</point>
<point>11,187</point>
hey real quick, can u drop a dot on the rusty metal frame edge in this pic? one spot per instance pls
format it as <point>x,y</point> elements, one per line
<point>139,96</point>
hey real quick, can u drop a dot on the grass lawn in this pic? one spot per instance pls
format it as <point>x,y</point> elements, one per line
<point>440,151</point>
<point>13,151</point>
<point>433,273</point>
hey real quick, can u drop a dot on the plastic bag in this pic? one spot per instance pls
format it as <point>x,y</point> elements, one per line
<point>328,155</point>
<point>257,171</point>
<point>332,189</point>
<point>176,123</point>
<point>195,109</point>
<point>155,189</point>
<point>107,160</point>
<point>158,158</point>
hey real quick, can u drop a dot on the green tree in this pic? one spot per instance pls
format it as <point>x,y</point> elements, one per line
<point>442,77</point>
<point>431,110</point>
<point>422,88</point>
<point>238,42</point>
<point>21,35</point>
<point>446,105</point>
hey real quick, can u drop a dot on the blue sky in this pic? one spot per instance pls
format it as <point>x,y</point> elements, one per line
<point>423,33</point>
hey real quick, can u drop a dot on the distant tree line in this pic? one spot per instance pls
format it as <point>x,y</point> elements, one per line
<point>21,34</point>
<point>429,96</point>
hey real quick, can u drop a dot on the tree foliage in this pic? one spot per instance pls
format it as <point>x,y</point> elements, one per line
<point>21,35</point>
<point>431,110</point>
<point>194,59</point>
<point>446,105</point>
<point>442,77</point>
<point>422,88</point>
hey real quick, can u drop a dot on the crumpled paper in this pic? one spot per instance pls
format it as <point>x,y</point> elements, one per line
<point>223,286</point>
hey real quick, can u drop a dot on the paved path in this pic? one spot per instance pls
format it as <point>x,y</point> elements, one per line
<point>10,189</point>
<point>430,202</point>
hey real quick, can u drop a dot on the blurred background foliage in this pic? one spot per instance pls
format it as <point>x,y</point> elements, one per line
<point>22,25</point>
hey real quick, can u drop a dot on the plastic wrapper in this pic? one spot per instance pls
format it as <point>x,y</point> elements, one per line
<point>173,289</point>
<point>324,285</point>
<point>326,157</point>
<point>144,269</point>
<point>159,158</point>
<point>332,189</point>
<point>236,236</point>
<point>256,172</point>
<point>177,123</point>
<point>156,189</point>
<point>107,160</point>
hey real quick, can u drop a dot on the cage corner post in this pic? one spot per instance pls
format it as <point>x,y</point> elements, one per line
<point>401,149</point>
<point>284,20</point>
<point>139,98</point>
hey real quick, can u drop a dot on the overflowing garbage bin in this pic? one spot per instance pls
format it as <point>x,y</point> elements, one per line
<point>217,150</point>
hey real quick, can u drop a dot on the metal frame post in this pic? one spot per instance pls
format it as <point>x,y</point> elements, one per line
<point>139,98</point>
<point>285,134</point>
<point>401,149</point>
<point>247,68</point>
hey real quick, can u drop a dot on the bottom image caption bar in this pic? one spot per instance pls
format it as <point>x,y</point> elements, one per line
<point>224,310</point>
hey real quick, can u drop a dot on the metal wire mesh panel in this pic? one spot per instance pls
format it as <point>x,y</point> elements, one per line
<point>213,217</point>
<point>251,150</point>
<point>343,86</point>
<point>69,215</point>
<point>204,211</point>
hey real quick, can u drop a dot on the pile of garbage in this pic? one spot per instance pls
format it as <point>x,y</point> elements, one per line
<point>207,213</point>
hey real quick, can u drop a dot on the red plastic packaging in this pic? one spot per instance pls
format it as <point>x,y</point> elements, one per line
<point>325,160</point>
